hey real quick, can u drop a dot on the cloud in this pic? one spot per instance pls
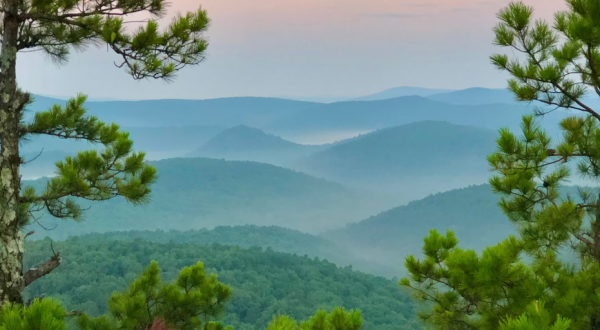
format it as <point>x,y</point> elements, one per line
<point>390,15</point>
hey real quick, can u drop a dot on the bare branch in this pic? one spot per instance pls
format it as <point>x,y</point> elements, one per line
<point>42,269</point>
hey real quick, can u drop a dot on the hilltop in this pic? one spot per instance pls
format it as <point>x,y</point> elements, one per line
<point>408,159</point>
<point>247,143</point>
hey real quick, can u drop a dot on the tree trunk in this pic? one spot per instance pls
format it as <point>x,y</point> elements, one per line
<point>11,103</point>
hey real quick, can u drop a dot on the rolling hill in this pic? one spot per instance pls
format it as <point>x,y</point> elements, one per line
<point>412,160</point>
<point>472,213</point>
<point>193,193</point>
<point>247,143</point>
<point>401,91</point>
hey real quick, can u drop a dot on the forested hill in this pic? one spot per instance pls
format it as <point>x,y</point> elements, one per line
<point>414,159</point>
<point>248,143</point>
<point>265,283</point>
<point>472,213</point>
<point>194,193</point>
<point>273,237</point>
<point>278,238</point>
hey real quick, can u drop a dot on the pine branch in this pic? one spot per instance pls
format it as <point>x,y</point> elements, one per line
<point>147,53</point>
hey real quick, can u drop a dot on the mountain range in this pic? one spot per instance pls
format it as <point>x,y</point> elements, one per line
<point>400,92</point>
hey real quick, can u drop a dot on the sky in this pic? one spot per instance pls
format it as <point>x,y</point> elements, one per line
<point>305,49</point>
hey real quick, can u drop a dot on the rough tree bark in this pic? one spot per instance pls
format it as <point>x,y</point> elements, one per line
<point>11,103</point>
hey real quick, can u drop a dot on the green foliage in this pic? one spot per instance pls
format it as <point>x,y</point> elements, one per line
<point>264,282</point>
<point>55,26</point>
<point>536,317</point>
<point>191,302</point>
<point>555,259</point>
<point>283,322</point>
<point>338,319</point>
<point>91,175</point>
<point>42,314</point>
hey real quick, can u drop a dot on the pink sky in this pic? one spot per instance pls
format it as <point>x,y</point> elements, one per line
<point>309,48</point>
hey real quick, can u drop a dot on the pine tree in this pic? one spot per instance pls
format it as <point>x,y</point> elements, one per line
<point>46,314</point>
<point>337,319</point>
<point>55,27</point>
<point>192,302</point>
<point>547,277</point>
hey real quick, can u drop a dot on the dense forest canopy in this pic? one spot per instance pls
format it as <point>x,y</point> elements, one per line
<point>264,282</point>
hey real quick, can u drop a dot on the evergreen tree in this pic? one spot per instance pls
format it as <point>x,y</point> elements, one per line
<point>55,27</point>
<point>337,319</point>
<point>192,302</point>
<point>548,277</point>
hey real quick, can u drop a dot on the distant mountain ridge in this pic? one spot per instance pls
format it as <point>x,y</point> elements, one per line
<point>227,112</point>
<point>400,92</point>
<point>476,96</point>
<point>372,115</point>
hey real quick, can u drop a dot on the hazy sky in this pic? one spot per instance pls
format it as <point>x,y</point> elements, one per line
<point>306,48</point>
